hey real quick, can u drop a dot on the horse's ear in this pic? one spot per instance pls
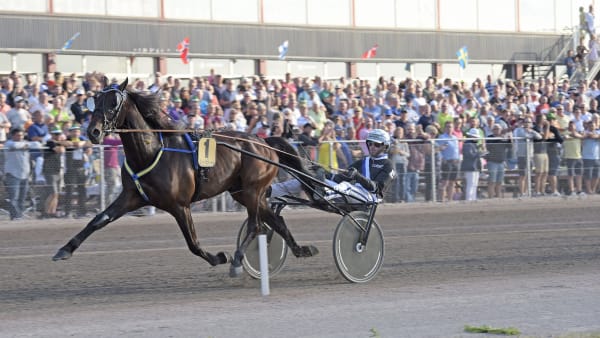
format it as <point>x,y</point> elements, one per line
<point>123,85</point>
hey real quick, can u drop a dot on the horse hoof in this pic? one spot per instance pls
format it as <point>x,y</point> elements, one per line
<point>62,254</point>
<point>311,250</point>
<point>235,271</point>
<point>223,258</point>
<point>306,251</point>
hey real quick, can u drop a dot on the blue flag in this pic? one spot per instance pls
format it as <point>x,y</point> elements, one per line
<point>283,49</point>
<point>69,42</point>
<point>463,57</point>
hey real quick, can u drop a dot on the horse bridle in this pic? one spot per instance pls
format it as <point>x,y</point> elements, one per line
<point>111,124</point>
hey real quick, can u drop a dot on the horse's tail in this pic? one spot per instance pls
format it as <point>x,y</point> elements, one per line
<point>288,156</point>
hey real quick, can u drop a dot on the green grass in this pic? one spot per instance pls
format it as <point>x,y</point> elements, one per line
<point>510,331</point>
<point>374,333</point>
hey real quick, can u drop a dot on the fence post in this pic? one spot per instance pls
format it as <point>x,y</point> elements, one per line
<point>433,181</point>
<point>331,155</point>
<point>102,180</point>
<point>224,202</point>
<point>528,159</point>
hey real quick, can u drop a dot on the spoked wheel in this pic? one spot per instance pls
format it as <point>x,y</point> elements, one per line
<point>357,263</point>
<point>276,250</point>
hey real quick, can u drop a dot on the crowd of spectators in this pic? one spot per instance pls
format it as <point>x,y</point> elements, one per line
<point>501,123</point>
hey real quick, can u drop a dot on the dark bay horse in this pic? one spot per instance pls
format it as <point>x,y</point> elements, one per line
<point>162,172</point>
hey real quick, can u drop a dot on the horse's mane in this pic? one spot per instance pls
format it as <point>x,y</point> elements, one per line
<point>148,104</point>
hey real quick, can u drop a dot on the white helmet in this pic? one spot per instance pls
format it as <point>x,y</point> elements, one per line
<point>379,136</point>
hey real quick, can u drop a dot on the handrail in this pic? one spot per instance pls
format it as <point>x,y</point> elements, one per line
<point>564,51</point>
<point>591,74</point>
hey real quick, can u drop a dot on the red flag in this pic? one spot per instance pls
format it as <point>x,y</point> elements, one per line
<point>370,53</point>
<point>183,48</point>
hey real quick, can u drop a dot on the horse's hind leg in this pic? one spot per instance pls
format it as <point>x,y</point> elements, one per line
<point>123,204</point>
<point>184,219</point>
<point>251,232</point>
<point>277,223</point>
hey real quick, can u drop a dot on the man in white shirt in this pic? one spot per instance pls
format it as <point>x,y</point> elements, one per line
<point>18,116</point>
<point>17,168</point>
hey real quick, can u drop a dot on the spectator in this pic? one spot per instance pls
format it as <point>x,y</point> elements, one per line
<point>175,111</point>
<point>363,132</point>
<point>79,109</point>
<point>308,142</point>
<point>19,117</point>
<point>589,20</point>
<point>471,164</point>
<point>554,150</point>
<point>317,114</point>
<point>433,162</point>
<point>236,120</point>
<point>77,161</point>
<point>415,163</point>
<point>4,127</point>
<point>43,104</point>
<point>499,148</point>
<point>17,167</point>
<point>444,116</point>
<point>590,153</point>
<point>570,63</point>
<point>425,119</point>
<point>572,154</point>
<point>400,153</point>
<point>58,112</point>
<point>53,172</point>
<point>540,154</point>
<point>193,121</point>
<point>328,148</point>
<point>4,106</point>
<point>594,49</point>
<point>449,146</point>
<point>524,134</point>
<point>581,54</point>
<point>582,22</point>
<point>112,165</point>
<point>38,132</point>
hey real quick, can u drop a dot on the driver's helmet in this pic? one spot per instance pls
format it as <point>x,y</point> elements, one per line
<point>379,136</point>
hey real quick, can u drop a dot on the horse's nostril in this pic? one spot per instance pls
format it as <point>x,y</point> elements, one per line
<point>96,132</point>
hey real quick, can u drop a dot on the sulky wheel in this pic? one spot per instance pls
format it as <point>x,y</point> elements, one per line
<point>357,263</point>
<point>276,250</point>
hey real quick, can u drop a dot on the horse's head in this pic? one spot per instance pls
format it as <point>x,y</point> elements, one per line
<point>106,111</point>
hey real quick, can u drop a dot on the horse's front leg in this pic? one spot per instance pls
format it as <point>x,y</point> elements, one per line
<point>124,203</point>
<point>184,219</point>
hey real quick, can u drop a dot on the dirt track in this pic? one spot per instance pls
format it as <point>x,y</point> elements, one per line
<point>532,264</point>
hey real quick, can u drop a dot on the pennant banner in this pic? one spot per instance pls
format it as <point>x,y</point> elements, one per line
<point>283,49</point>
<point>183,48</point>
<point>370,53</point>
<point>69,42</point>
<point>463,57</point>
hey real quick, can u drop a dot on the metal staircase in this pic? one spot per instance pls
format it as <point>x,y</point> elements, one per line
<point>544,64</point>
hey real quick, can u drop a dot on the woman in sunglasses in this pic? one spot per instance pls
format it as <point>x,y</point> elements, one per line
<point>365,180</point>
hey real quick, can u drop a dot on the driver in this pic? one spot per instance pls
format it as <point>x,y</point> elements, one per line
<point>365,180</point>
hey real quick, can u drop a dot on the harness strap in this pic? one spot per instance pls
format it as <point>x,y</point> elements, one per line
<point>136,176</point>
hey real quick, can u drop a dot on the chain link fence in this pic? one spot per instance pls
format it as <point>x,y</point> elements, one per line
<point>89,190</point>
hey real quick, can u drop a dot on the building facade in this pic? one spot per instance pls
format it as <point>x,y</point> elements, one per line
<point>326,37</point>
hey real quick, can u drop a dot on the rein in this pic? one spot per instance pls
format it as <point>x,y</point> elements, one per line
<point>214,133</point>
